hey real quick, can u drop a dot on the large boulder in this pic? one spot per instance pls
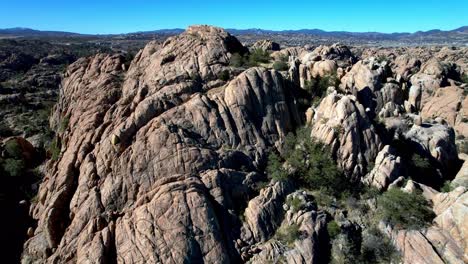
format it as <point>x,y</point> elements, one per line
<point>143,150</point>
<point>367,74</point>
<point>341,123</point>
<point>308,246</point>
<point>387,168</point>
<point>267,45</point>
<point>437,141</point>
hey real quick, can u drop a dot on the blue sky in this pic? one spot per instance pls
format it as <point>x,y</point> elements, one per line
<point>119,16</point>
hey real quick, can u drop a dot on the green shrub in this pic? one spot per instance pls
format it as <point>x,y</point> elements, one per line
<point>13,149</point>
<point>224,76</point>
<point>381,58</point>
<point>288,234</point>
<point>464,78</point>
<point>275,168</point>
<point>55,149</point>
<point>13,167</point>
<point>377,248</point>
<point>280,66</point>
<point>295,203</point>
<point>446,187</point>
<point>333,229</point>
<point>64,124</point>
<point>404,210</point>
<point>420,162</point>
<point>317,87</point>
<point>257,57</point>
<point>237,60</point>
<point>311,163</point>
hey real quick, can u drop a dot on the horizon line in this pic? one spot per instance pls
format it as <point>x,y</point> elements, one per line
<point>227,29</point>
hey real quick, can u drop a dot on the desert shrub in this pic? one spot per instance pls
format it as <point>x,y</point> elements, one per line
<point>280,66</point>
<point>404,210</point>
<point>288,234</point>
<point>237,60</point>
<point>275,167</point>
<point>381,58</point>
<point>258,56</point>
<point>13,149</point>
<point>64,124</point>
<point>311,164</point>
<point>377,248</point>
<point>333,229</point>
<point>13,167</point>
<point>446,187</point>
<point>224,76</point>
<point>464,78</point>
<point>295,203</point>
<point>55,149</point>
<point>317,87</point>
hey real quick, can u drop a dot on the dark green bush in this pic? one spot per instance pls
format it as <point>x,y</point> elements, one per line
<point>224,75</point>
<point>333,229</point>
<point>64,124</point>
<point>311,163</point>
<point>258,56</point>
<point>237,60</point>
<point>377,248</point>
<point>280,66</point>
<point>404,210</point>
<point>464,78</point>
<point>294,203</point>
<point>275,167</point>
<point>13,149</point>
<point>288,234</point>
<point>13,167</point>
<point>55,149</point>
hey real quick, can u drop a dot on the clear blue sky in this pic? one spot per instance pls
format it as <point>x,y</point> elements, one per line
<point>119,16</point>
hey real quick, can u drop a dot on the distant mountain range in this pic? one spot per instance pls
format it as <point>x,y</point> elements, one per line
<point>456,36</point>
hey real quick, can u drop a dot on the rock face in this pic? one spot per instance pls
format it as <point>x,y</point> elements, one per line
<point>445,240</point>
<point>308,247</point>
<point>365,74</point>
<point>438,140</point>
<point>141,152</point>
<point>386,169</point>
<point>266,45</point>
<point>340,122</point>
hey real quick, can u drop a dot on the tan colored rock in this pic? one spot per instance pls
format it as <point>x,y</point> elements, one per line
<point>445,240</point>
<point>386,169</point>
<point>341,123</point>
<point>267,45</point>
<point>151,198</point>
<point>461,179</point>
<point>366,73</point>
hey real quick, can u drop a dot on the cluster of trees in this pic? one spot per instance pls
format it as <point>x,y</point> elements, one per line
<point>310,165</point>
<point>252,59</point>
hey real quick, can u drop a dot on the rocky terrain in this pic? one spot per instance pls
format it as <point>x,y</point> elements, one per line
<point>201,150</point>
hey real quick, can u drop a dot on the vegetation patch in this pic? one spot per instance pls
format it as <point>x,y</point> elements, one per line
<point>404,210</point>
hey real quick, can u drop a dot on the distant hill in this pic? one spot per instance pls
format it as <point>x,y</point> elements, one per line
<point>457,36</point>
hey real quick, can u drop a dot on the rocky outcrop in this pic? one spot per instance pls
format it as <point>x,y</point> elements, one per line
<point>461,179</point>
<point>310,242</point>
<point>142,149</point>
<point>438,141</point>
<point>261,215</point>
<point>445,240</point>
<point>267,45</point>
<point>341,123</point>
<point>365,74</point>
<point>448,103</point>
<point>387,168</point>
